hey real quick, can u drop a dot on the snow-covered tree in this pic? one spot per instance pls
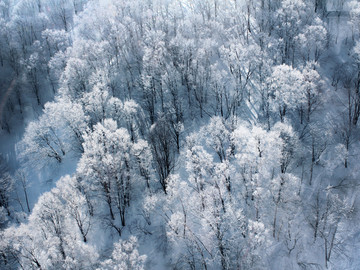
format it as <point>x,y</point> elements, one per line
<point>312,40</point>
<point>125,256</point>
<point>68,192</point>
<point>108,170</point>
<point>48,241</point>
<point>105,167</point>
<point>287,89</point>
<point>57,132</point>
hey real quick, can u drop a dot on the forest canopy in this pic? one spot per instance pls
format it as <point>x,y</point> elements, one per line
<point>179,134</point>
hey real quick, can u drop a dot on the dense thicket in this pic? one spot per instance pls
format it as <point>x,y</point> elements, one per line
<point>203,134</point>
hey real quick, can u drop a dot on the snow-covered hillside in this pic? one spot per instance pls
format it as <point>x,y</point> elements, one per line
<point>168,134</point>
